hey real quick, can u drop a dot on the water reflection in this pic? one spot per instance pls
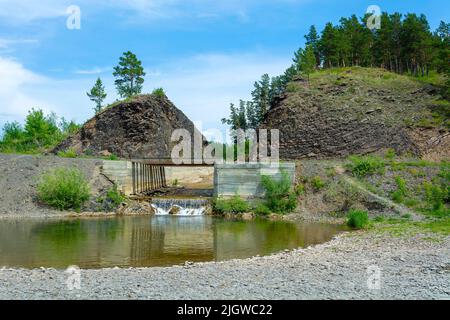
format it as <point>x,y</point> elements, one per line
<point>147,241</point>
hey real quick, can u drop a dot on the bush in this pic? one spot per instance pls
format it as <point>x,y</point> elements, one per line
<point>279,195</point>
<point>159,92</point>
<point>435,196</point>
<point>399,195</point>
<point>63,188</point>
<point>70,153</point>
<point>357,219</point>
<point>233,205</point>
<point>390,154</point>
<point>114,196</point>
<point>363,166</point>
<point>317,183</point>
<point>262,210</point>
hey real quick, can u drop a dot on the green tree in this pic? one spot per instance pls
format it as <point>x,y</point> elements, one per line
<point>41,130</point>
<point>97,95</point>
<point>306,60</point>
<point>261,97</point>
<point>129,74</point>
<point>313,40</point>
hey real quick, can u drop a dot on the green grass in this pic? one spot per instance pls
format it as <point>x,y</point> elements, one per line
<point>317,183</point>
<point>70,153</point>
<point>63,188</point>
<point>404,227</point>
<point>232,205</point>
<point>363,166</point>
<point>262,210</point>
<point>357,219</point>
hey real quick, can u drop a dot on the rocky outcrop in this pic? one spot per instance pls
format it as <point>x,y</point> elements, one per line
<point>355,112</point>
<point>140,127</point>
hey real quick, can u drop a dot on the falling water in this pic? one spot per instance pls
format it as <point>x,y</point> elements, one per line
<point>179,207</point>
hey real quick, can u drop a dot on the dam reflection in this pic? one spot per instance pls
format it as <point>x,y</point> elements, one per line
<point>147,241</point>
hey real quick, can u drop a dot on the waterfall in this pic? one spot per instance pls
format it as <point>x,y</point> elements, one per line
<point>179,207</point>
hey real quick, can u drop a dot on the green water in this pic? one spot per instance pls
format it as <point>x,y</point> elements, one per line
<point>147,241</point>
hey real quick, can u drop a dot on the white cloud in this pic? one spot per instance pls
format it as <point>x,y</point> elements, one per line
<point>206,84</point>
<point>23,11</point>
<point>8,43</point>
<point>96,70</point>
<point>26,11</point>
<point>14,102</point>
<point>202,86</point>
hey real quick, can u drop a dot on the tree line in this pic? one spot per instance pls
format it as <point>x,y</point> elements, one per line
<point>403,44</point>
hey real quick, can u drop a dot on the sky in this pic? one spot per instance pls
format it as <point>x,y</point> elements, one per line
<point>204,53</point>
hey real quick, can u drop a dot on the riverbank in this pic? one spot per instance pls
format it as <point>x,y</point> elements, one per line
<point>414,265</point>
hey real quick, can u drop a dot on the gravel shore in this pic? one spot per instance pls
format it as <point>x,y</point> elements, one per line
<point>411,268</point>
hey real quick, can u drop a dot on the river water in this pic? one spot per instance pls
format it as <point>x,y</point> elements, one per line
<point>145,241</point>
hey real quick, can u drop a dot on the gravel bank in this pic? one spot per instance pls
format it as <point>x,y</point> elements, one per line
<point>411,268</point>
<point>19,177</point>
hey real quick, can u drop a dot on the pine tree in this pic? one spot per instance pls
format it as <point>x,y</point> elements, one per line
<point>313,40</point>
<point>97,95</point>
<point>307,63</point>
<point>129,74</point>
<point>261,96</point>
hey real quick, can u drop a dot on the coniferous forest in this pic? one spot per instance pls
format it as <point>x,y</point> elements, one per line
<point>404,43</point>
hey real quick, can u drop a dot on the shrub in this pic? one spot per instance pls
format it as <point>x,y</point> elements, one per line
<point>300,189</point>
<point>399,194</point>
<point>363,166</point>
<point>317,183</point>
<point>357,219</point>
<point>262,210</point>
<point>233,205</point>
<point>114,196</point>
<point>70,153</point>
<point>112,157</point>
<point>159,92</point>
<point>63,188</point>
<point>390,154</point>
<point>279,195</point>
<point>435,196</point>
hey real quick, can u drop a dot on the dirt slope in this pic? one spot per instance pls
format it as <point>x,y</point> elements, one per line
<point>359,111</point>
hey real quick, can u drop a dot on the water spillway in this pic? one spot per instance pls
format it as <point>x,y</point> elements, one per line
<point>179,207</point>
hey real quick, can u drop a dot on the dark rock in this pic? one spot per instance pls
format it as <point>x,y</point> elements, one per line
<point>137,128</point>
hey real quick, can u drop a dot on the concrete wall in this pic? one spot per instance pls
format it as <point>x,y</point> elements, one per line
<point>120,173</point>
<point>245,179</point>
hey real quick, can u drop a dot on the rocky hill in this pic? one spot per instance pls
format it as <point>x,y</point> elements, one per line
<point>358,111</point>
<point>140,127</point>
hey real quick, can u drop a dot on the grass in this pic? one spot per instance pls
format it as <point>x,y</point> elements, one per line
<point>70,153</point>
<point>63,188</point>
<point>233,205</point>
<point>317,183</point>
<point>357,219</point>
<point>405,227</point>
<point>363,166</point>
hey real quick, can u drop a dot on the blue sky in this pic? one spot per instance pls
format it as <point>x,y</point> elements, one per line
<point>205,54</point>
